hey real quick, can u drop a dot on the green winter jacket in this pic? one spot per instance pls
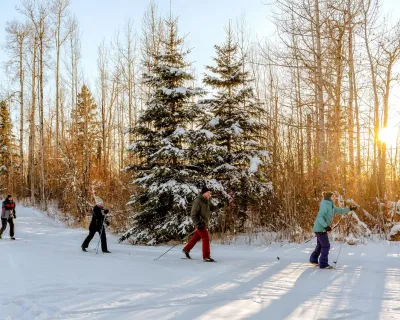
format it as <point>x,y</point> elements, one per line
<point>200,210</point>
<point>325,215</point>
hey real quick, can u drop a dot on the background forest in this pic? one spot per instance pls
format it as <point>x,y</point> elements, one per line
<point>270,124</point>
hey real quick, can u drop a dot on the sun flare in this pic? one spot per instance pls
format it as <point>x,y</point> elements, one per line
<point>388,135</point>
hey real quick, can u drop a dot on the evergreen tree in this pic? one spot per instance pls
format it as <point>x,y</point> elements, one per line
<point>166,182</point>
<point>86,122</point>
<point>9,157</point>
<point>236,124</point>
<point>85,138</point>
<point>5,138</point>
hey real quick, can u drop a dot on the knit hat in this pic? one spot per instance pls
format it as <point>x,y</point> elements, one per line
<point>204,189</point>
<point>99,201</point>
<point>327,195</point>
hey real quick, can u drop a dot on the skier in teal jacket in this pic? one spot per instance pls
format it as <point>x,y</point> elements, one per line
<point>322,226</point>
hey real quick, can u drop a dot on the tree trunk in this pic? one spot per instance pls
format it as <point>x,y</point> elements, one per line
<point>32,127</point>
<point>21,129</point>
<point>319,87</point>
<point>41,110</point>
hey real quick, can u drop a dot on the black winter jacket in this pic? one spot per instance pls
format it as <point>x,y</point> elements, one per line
<point>97,219</point>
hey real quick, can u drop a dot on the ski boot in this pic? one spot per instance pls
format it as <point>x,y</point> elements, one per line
<point>209,259</point>
<point>328,267</point>
<point>186,253</point>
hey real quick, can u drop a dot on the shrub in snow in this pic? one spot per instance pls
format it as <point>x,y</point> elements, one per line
<point>351,240</point>
<point>394,234</point>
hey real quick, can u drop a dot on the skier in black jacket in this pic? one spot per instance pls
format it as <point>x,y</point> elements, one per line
<point>99,218</point>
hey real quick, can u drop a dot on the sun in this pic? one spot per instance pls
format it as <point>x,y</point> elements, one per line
<point>388,136</point>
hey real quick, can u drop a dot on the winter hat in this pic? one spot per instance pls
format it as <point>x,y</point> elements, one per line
<point>99,201</point>
<point>327,195</point>
<point>205,189</point>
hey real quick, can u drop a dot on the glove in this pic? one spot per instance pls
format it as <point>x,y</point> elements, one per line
<point>106,211</point>
<point>107,223</point>
<point>200,225</point>
<point>328,228</point>
<point>353,208</point>
<point>15,217</point>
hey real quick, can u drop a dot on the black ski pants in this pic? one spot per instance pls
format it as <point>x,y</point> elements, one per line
<point>103,237</point>
<point>4,226</point>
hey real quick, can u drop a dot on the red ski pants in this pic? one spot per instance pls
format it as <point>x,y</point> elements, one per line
<point>197,235</point>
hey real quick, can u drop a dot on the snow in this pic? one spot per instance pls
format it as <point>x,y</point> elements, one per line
<point>361,224</point>
<point>179,91</point>
<point>214,122</point>
<point>132,147</point>
<point>46,276</point>
<point>179,131</point>
<point>265,154</point>
<point>252,143</point>
<point>176,71</point>
<point>255,161</point>
<point>225,167</point>
<point>394,230</point>
<point>168,150</point>
<point>237,129</point>
<point>207,133</point>
<point>144,179</point>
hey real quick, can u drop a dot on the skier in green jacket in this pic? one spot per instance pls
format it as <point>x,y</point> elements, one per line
<point>322,226</point>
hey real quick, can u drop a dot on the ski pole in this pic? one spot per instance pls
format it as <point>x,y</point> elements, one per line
<point>337,258</point>
<point>174,246</point>
<point>101,232</point>
<point>334,227</point>
<point>4,232</point>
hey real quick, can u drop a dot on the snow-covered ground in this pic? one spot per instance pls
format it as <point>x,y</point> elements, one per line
<point>45,275</point>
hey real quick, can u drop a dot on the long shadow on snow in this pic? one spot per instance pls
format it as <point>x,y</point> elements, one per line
<point>302,291</point>
<point>196,305</point>
<point>172,292</point>
<point>193,298</point>
<point>363,299</point>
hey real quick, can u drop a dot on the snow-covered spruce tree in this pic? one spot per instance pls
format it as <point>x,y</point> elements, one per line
<point>236,125</point>
<point>81,154</point>
<point>165,180</point>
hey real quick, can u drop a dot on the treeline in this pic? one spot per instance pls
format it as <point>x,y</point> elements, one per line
<point>274,122</point>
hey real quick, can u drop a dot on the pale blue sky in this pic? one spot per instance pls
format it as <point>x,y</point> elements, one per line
<point>201,20</point>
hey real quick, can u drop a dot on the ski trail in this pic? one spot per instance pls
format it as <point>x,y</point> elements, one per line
<point>47,276</point>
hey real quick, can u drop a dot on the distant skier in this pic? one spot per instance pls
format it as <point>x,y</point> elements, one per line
<point>200,215</point>
<point>8,215</point>
<point>99,219</point>
<point>322,226</point>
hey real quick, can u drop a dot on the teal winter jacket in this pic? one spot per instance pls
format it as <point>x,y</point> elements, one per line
<point>325,215</point>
